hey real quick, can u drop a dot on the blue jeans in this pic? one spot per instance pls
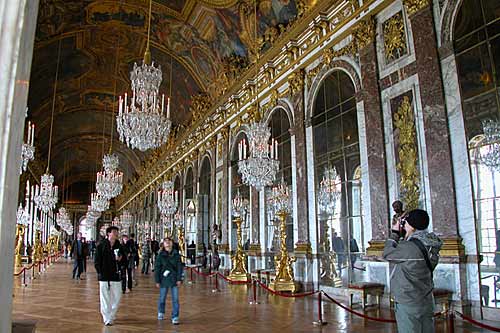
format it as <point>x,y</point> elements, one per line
<point>175,301</point>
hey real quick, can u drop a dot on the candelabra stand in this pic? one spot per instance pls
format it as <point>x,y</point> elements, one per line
<point>180,238</point>
<point>38,248</point>
<point>329,263</point>
<point>284,280</point>
<point>238,272</point>
<point>18,259</point>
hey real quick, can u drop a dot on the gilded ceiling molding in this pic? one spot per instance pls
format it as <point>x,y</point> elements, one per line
<point>243,88</point>
<point>413,6</point>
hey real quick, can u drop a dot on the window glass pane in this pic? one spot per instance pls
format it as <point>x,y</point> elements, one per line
<point>495,51</point>
<point>319,103</point>
<point>468,19</point>
<point>475,71</point>
<point>491,10</point>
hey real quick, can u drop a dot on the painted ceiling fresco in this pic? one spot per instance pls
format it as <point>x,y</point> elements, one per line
<point>196,37</point>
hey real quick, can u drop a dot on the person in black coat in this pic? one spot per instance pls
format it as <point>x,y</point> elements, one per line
<point>78,255</point>
<point>108,259</point>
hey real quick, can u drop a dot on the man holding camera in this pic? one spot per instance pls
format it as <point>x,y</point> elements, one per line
<point>415,253</point>
<point>108,257</point>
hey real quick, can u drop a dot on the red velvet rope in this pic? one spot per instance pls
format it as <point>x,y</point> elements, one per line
<point>232,281</point>
<point>279,293</point>
<point>383,320</point>
<point>475,322</point>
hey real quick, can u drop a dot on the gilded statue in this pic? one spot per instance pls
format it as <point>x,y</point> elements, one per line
<point>20,230</point>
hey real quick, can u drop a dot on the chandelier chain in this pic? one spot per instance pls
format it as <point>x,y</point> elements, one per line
<point>54,103</point>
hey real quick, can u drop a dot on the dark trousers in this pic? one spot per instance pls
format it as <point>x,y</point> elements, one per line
<point>127,278</point>
<point>77,266</point>
<point>145,265</point>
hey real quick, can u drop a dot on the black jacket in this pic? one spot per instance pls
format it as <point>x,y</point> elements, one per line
<point>105,263</point>
<point>74,250</point>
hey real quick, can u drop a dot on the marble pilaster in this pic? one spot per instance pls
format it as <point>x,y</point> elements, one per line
<point>225,188</point>
<point>17,35</point>
<point>441,182</point>
<point>375,162</point>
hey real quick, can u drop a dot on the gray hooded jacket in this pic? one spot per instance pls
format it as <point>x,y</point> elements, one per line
<point>411,279</point>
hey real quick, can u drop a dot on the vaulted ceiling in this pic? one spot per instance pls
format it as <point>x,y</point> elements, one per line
<point>99,42</point>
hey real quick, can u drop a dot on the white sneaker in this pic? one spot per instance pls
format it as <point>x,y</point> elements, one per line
<point>175,321</point>
<point>161,316</point>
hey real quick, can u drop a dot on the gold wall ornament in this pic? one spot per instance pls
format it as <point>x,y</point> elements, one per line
<point>18,258</point>
<point>223,139</point>
<point>395,44</point>
<point>37,247</point>
<point>404,122</point>
<point>364,33</point>
<point>238,260</point>
<point>200,104</point>
<point>413,6</point>
<point>273,98</point>
<point>296,81</point>
<point>182,245</point>
<point>284,280</point>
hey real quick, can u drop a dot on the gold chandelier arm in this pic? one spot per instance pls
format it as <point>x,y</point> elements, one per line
<point>53,105</point>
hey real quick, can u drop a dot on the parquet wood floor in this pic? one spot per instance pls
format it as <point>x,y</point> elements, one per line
<point>59,304</point>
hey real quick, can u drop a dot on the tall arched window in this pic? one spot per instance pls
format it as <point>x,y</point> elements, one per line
<point>477,50</point>
<point>336,145</point>
<point>204,200</point>
<point>244,190</point>
<point>280,131</point>
<point>189,208</point>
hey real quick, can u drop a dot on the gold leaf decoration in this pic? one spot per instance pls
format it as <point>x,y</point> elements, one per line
<point>296,81</point>
<point>394,37</point>
<point>404,121</point>
<point>413,6</point>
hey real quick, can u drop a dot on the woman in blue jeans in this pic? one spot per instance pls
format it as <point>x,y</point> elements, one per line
<point>168,275</point>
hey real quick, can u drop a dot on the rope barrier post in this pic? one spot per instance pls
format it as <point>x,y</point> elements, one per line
<point>320,321</point>
<point>254,292</point>
<point>216,289</point>
<point>450,321</point>
<point>33,272</point>
<point>24,278</point>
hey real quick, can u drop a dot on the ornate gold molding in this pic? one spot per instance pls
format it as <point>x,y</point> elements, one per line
<point>394,37</point>
<point>375,248</point>
<point>364,33</point>
<point>404,122</point>
<point>413,6</point>
<point>303,249</point>
<point>452,247</point>
<point>296,81</point>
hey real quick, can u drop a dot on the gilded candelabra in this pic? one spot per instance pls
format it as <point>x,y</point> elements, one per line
<point>239,271</point>
<point>328,263</point>
<point>281,203</point>
<point>180,238</point>
<point>284,280</point>
<point>20,229</point>
<point>38,248</point>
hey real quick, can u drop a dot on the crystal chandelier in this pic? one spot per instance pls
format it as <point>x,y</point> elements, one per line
<point>28,148</point>
<point>116,221</point>
<point>110,181</point>
<point>23,217</point>
<point>99,203</point>
<point>92,215</point>
<point>329,191</point>
<point>46,194</point>
<point>126,219</point>
<point>143,124</point>
<point>258,170</point>
<point>63,219</point>
<point>281,198</point>
<point>239,205</point>
<point>168,199</point>
<point>490,151</point>
<point>178,219</point>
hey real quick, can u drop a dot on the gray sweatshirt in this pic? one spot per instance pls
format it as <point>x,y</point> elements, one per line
<point>411,279</point>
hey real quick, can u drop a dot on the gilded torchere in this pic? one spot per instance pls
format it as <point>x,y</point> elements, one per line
<point>180,238</point>
<point>38,248</point>
<point>328,262</point>
<point>239,271</point>
<point>20,229</point>
<point>281,203</point>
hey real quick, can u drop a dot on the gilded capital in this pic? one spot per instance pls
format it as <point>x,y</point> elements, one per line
<point>364,33</point>
<point>413,6</point>
<point>296,81</point>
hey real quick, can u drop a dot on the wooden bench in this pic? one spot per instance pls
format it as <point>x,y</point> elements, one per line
<point>363,289</point>
<point>442,298</point>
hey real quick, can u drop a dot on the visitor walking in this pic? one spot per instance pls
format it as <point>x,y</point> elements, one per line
<point>168,276</point>
<point>77,256</point>
<point>109,255</point>
<point>146,256</point>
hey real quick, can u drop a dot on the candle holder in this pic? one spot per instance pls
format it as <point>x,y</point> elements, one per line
<point>18,259</point>
<point>180,235</point>
<point>238,260</point>
<point>38,248</point>
<point>284,280</point>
